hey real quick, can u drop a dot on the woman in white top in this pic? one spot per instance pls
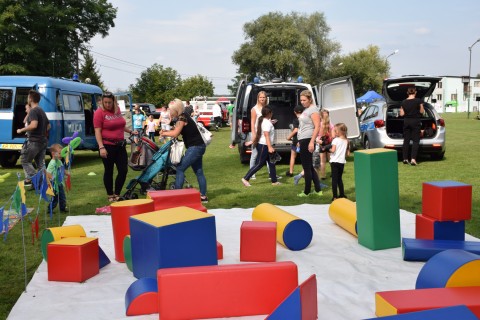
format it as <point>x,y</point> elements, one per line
<point>263,143</point>
<point>309,126</point>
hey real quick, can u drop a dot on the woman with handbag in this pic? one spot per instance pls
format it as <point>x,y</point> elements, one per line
<point>263,143</point>
<point>194,143</point>
<point>109,127</point>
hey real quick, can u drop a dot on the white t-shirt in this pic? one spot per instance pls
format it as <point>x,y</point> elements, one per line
<point>216,110</point>
<point>340,150</point>
<point>267,126</point>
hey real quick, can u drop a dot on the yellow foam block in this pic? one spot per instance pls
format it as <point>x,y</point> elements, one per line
<point>344,213</point>
<point>269,212</point>
<point>73,241</point>
<point>375,150</point>
<point>383,307</point>
<point>170,216</point>
<point>67,231</point>
<point>130,203</point>
<point>467,275</point>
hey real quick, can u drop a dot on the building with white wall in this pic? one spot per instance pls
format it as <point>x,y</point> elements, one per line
<point>451,94</point>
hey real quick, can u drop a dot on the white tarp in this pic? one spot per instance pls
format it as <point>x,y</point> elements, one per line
<point>348,275</point>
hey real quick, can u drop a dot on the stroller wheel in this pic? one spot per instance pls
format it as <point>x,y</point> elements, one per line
<point>134,196</point>
<point>172,186</point>
<point>188,186</point>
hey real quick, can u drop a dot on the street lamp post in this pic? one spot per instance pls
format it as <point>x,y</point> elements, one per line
<point>469,72</point>
<point>391,54</point>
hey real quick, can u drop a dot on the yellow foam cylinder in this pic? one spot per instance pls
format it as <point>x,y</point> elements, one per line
<point>292,232</point>
<point>344,213</point>
<point>57,233</point>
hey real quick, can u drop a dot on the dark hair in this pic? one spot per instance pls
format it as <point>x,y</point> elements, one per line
<point>265,112</point>
<point>298,109</point>
<point>411,90</point>
<point>34,95</point>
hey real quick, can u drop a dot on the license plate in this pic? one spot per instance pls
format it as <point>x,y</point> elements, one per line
<point>10,146</point>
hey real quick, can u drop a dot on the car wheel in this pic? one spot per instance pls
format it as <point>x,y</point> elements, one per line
<point>9,159</point>
<point>366,144</point>
<point>437,156</point>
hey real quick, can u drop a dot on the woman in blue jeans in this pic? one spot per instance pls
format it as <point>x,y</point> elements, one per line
<point>193,157</point>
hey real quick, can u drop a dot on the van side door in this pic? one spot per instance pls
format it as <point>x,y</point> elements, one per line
<point>73,115</point>
<point>338,97</point>
<point>238,113</point>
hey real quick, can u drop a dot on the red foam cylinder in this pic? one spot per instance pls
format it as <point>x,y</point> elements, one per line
<point>121,212</point>
<point>233,290</point>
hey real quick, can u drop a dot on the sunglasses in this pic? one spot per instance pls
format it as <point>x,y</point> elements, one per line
<point>107,95</point>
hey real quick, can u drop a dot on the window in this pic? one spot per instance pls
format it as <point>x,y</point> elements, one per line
<point>439,97</point>
<point>6,98</point>
<point>440,85</point>
<point>476,84</point>
<point>453,96</point>
<point>72,103</point>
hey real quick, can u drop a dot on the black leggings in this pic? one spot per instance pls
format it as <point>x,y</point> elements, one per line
<point>308,170</point>
<point>116,155</point>
<point>337,173</point>
<point>411,131</point>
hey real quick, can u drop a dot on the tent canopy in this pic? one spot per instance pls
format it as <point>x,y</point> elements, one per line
<point>370,96</point>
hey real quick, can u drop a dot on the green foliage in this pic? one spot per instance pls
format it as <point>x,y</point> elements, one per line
<point>43,37</point>
<point>233,88</point>
<point>89,70</point>
<point>194,86</point>
<point>157,85</point>
<point>286,46</point>
<point>366,67</point>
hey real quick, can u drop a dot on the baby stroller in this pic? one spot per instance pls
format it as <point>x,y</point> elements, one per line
<point>141,153</point>
<point>156,172</point>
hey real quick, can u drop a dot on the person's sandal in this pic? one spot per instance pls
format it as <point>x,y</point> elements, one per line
<point>112,198</point>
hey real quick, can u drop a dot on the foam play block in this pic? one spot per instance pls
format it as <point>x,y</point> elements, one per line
<point>292,232</point>
<point>57,233</point>
<point>403,301</point>
<point>219,251</point>
<point>447,200</point>
<point>121,212</point>
<point>447,313</point>
<point>176,237</point>
<point>102,258</point>
<point>344,213</point>
<point>422,250</point>
<point>301,304</point>
<point>376,187</point>
<point>127,252</point>
<point>166,199</point>
<point>232,290</point>
<point>429,228</point>
<point>142,297</point>
<point>450,268</point>
<point>258,241</point>
<point>73,259</point>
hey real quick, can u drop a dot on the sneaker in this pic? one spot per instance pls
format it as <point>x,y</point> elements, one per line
<point>246,183</point>
<point>323,185</point>
<point>413,163</point>
<point>278,178</point>
<point>319,193</point>
<point>64,210</point>
<point>253,177</point>
<point>405,161</point>
<point>204,199</point>
<point>297,178</point>
<point>288,174</point>
<point>276,183</point>
<point>302,195</point>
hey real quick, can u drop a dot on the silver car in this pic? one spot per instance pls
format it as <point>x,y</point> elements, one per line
<point>381,125</point>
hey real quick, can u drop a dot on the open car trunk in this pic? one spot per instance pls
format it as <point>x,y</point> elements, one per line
<point>394,123</point>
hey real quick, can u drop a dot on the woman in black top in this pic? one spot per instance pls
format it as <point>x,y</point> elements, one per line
<point>412,110</point>
<point>195,147</point>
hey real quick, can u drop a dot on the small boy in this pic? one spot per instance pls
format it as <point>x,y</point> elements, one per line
<point>138,120</point>
<point>52,173</point>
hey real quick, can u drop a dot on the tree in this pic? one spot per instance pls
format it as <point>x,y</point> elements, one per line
<point>194,86</point>
<point>366,67</point>
<point>45,37</point>
<point>89,70</point>
<point>156,85</point>
<point>286,46</point>
<point>235,84</point>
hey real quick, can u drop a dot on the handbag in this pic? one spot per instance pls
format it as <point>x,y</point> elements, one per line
<point>204,133</point>
<point>275,157</point>
<point>176,152</point>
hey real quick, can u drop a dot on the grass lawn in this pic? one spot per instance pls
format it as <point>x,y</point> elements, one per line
<point>223,171</point>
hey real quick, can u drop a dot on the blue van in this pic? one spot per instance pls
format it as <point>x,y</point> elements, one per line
<point>69,106</point>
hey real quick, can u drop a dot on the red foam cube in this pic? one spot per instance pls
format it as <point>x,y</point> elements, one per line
<point>447,200</point>
<point>166,199</point>
<point>431,229</point>
<point>258,241</point>
<point>219,251</point>
<point>74,259</point>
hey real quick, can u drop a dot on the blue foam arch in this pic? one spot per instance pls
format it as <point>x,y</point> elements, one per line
<point>139,287</point>
<point>448,313</point>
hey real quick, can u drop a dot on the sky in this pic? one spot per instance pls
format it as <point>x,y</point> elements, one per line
<point>199,37</point>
